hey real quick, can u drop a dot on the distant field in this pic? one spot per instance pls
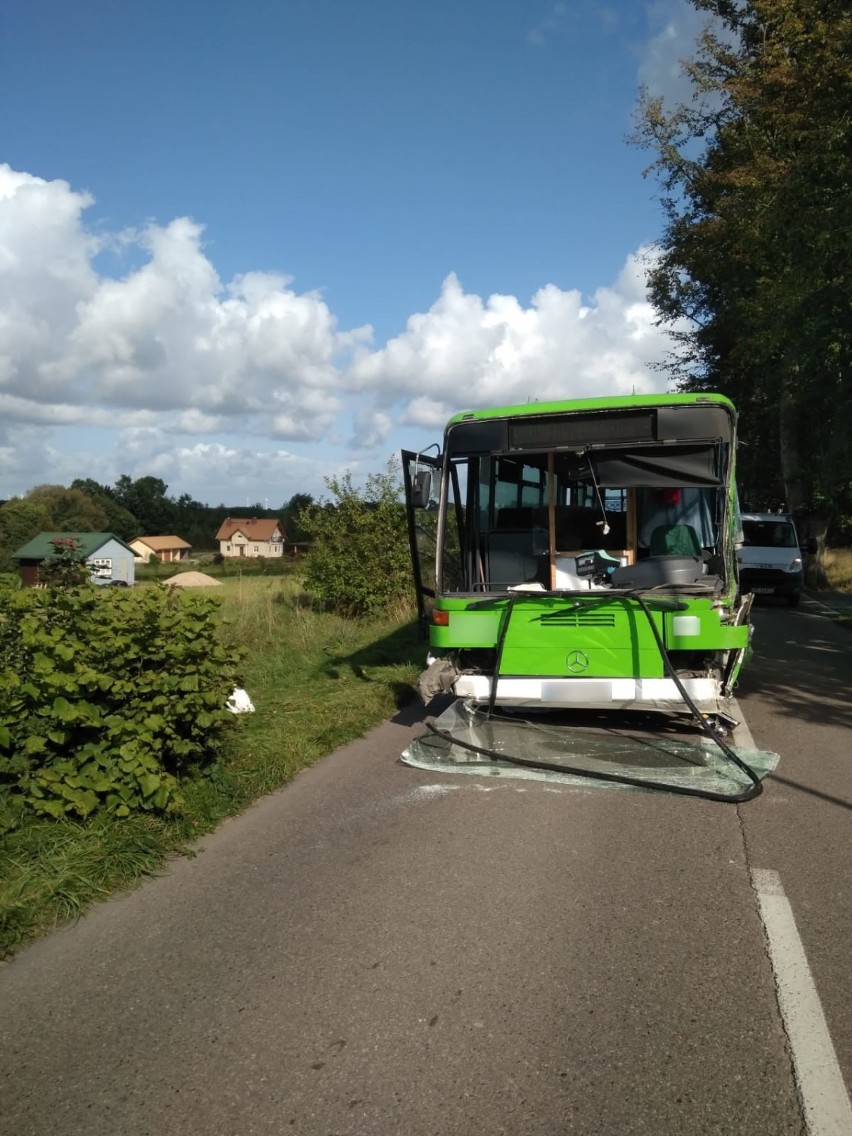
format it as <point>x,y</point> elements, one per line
<point>230,568</point>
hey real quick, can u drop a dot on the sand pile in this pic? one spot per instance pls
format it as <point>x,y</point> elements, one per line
<point>193,580</point>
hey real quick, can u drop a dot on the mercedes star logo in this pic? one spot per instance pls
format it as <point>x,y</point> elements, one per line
<point>577,661</point>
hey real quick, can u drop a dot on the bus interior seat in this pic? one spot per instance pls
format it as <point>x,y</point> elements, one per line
<point>675,540</point>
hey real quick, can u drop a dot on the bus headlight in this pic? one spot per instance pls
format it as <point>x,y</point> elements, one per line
<point>685,625</point>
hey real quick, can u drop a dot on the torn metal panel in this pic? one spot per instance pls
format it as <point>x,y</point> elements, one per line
<point>437,679</point>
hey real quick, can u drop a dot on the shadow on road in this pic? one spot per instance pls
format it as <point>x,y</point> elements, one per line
<point>804,663</point>
<point>803,668</point>
<point>812,792</point>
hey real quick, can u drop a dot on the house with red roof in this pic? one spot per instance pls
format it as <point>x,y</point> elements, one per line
<point>244,536</point>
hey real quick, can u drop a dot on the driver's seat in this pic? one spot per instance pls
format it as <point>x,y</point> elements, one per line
<point>675,540</point>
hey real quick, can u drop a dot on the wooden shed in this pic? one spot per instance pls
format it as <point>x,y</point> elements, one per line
<point>110,560</point>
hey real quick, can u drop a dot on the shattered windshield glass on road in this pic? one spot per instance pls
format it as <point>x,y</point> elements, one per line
<point>662,750</point>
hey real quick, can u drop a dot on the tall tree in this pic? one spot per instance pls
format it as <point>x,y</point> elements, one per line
<point>755,263</point>
<point>69,509</point>
<point>20,521</point>
<point>197,523</point>
<point>118,519</point>
<point>290,516</point>
<point>146,499</point>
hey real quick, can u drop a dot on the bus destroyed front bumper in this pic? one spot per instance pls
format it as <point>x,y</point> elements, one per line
<point>665,752</point>
<point>554,693</point>
<point>591,693</point>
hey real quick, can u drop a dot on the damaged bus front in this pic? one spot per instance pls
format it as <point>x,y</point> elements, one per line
<point>581,554</point>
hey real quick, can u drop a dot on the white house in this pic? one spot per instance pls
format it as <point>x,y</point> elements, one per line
<point>242,536</point>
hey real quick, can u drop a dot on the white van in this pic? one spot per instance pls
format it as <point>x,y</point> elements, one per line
<point>770,560</point>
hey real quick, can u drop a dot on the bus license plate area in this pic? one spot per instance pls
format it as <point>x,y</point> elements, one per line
<point>567,691</point>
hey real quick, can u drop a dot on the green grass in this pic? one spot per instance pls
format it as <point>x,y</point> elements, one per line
<point>838,569</point>
<point>317,681</point>
<point>50,870</point>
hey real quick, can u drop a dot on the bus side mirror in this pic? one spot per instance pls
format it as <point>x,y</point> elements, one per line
<point>421,488</point>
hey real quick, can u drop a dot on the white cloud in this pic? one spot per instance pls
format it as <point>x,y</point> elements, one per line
<point>27,458</point>
<point>372,429</point>
<point>554,20</point>
<point>233,473</point>
<point>166,337</point>
<point>676,27</point>
<point>428,412</point>
<point>466,352</point>
<point>169,371</point>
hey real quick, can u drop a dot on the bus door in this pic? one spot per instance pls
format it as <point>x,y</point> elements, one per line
<point>422,480</point>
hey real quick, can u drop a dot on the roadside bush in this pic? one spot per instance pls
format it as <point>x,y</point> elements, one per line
<point>359,562</point>
<point>107,697</point>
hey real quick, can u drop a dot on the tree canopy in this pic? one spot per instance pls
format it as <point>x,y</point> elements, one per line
<point>754,268</point>
<point>70,509</point>
<point>291,517</point>
<point>20,521</point>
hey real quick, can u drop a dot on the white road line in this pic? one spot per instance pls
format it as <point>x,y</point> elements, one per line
<point>824,1097</point>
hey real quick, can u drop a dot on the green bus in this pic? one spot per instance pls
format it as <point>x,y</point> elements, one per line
<point>581,554</point>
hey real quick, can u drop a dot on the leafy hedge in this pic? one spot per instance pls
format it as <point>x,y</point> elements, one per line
<point>107,697</point>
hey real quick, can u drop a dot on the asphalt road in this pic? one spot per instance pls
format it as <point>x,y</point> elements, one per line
<point>381,950</point>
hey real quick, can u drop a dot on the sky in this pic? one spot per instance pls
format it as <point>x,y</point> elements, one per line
<point>247,247</point>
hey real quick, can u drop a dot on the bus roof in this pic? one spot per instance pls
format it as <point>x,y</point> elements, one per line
<point>613,402</point>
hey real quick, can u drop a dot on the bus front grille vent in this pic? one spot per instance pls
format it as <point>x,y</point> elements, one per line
<point>582,619</point>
